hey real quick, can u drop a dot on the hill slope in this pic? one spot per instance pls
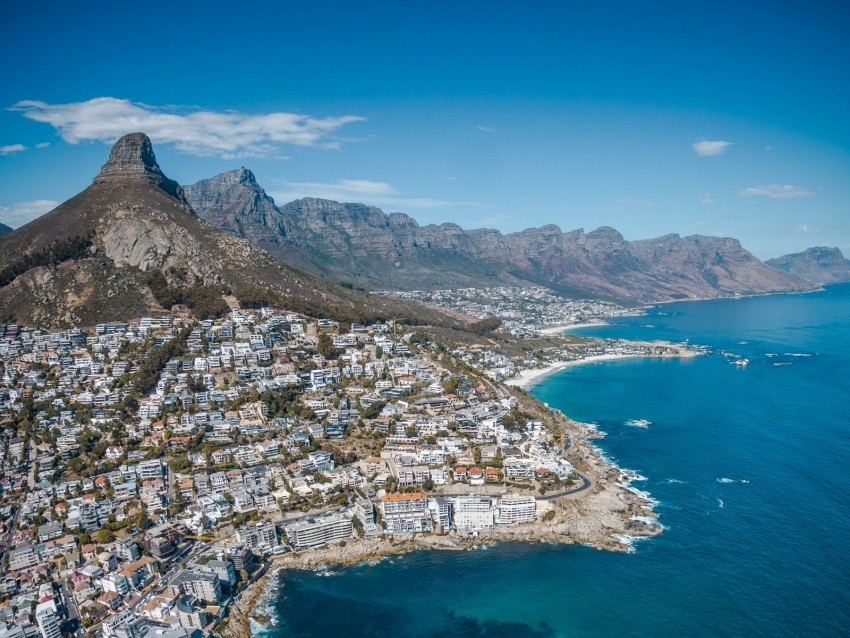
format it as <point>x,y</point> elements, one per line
<point>4,230</point>
<point>363,245</point>
<point>819,264</point>
<point>130,244</point>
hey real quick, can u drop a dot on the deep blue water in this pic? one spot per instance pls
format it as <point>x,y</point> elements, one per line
<point>751,468</point>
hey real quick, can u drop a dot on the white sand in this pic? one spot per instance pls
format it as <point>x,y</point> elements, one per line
<point>531,377</point>
<point>555,330</point>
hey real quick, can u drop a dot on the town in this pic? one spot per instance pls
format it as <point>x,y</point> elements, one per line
<point>524,311</point>
<point>151,470</point>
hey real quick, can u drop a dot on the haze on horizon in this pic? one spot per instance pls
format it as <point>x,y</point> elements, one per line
<point>713,118</point>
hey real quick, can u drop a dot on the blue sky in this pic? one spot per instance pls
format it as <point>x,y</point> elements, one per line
<point>656,117</point>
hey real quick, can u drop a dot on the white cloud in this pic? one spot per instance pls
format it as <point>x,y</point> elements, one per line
<point>705,199</point>
<point>708,148</point>
<point>359,191</point>
<point>805,229</point>
<point>777,191</point>
<point>486,129</point>
<point>227,134</point>
<point>20,213</point>
<point>42,145</point>
<point>12,148</point>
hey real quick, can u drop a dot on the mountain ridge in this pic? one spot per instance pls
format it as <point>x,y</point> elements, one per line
<point>130,244</point>
<point>819,264</point>
<point>365,246</point>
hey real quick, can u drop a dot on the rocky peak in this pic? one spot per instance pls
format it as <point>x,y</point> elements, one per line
<point>132,159</point>
<point>820,264</point>
<point>606,233</point>
<point>235,203</point>
<point>237,176</point>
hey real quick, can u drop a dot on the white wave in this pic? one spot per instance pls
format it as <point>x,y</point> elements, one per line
<point>674,481</point>
<point>628,541</point>
<point>641,494</point>
<point>798,354</point>
<point>720,502</point>
<point>770,354</point>
<point>744,481</point>
<point>646,520</point>
<point>638,423</point>
<point>258,628</point>
<point>743,343</point>
<point>725,480</point>
<point>265,605</point>
<point>605,458</point>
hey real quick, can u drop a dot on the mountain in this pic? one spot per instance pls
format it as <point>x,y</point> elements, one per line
<point>4,230</point>
<point>819,264</point>
<point>130,245</point>
<point>363,245</point>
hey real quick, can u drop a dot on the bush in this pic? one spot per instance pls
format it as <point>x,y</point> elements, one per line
<point>52,255</point>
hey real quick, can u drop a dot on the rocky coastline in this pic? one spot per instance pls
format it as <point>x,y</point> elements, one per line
<point>610,514</point>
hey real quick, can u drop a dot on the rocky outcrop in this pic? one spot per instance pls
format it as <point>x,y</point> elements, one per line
<point>820,264</point>
<point>134,221</point>
<point>132,159</point>
<point>235,203</point>
<point>361,244</point>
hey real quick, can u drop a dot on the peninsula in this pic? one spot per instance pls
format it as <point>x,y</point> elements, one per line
<point>183,413</point>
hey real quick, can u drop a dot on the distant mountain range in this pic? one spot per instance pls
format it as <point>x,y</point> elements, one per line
<point>130,245</point>
<point>135,242</point>
<point>364,246</point>
<point>819,264</point>
<point>4,229</point>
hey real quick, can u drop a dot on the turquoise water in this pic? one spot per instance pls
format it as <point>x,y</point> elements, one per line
<point>751,470</point>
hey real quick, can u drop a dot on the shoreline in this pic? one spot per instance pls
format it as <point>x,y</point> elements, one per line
<point>610,515</point>
<point>556,330</point>
<point>530,377</point>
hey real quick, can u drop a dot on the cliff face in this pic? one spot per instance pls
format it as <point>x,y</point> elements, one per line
<point>820,264</point>
<point>235,203</point>
<point>361,244</point>
<point>91,259</point>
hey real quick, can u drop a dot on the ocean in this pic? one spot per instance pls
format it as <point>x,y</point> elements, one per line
<point>750,468</point>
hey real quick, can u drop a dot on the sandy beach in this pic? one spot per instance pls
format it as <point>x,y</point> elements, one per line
<point>532,376</point>
<point>555,330</point>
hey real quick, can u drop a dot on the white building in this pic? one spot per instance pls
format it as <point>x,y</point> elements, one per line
<point>473,512</point>
<point>319,530</point>
<point>262,536</point>
<point>406,513</point>
<point>516,508</point>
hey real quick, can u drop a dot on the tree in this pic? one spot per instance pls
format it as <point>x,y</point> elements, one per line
<point>104,536</point>
<point>325,346</point>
